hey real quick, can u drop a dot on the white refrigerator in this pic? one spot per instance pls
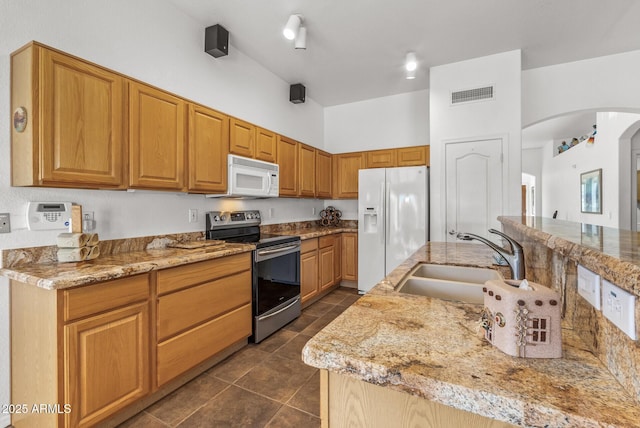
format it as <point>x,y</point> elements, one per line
<point>393,219</point>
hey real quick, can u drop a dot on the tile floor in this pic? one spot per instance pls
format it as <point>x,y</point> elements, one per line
<point>263,385</point>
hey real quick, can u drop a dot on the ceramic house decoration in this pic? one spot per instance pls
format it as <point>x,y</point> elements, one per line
<point>522,319</point>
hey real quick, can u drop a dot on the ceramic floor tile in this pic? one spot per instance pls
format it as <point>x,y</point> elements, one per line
<point>301,322</point>
<point>318,309</point>
<point>333,298</point>
<point>308,397</point>
<point>318,325</point>
<point>277,378</point>
<point>293,418</point>
<point>234,407</point>
<point>238,364</point>
<point>293,349</point>
<point>276,340</point>
<point>143,420</point>
<point>349,300</point>
<point>182,402</point>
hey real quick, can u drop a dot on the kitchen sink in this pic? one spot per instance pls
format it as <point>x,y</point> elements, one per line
<point>457,283</point>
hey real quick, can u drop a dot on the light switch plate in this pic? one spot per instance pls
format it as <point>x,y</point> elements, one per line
<point>619,307</point>
<point>5,223</point>
<point>589,286</point>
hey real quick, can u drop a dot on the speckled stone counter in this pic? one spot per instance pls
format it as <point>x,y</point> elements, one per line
<point>553,249</point>
<point>49,274</point>
<point>429,348</point>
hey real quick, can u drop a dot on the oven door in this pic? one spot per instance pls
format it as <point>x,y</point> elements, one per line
<point>276,276</point>
<point>276,288</point>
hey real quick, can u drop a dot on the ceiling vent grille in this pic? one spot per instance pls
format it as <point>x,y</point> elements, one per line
<point>470,95</point>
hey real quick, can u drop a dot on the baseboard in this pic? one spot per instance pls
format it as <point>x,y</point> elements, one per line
<point>5,421</point>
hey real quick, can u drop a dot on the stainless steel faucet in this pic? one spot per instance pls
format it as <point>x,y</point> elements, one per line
<point>514,257</point>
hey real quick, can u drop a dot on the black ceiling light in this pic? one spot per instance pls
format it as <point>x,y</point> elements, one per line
<point>216,41</point>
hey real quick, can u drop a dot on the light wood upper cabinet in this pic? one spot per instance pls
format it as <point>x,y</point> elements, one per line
<point>208,147</point>
<point>413,156</point>
<point>306,170</point>
<point>266,145</point>
<point>345,174</point>
<point>75,121</point>
<point>157,138</point>
<point>323,174</point>
<point>381,158</point>
<point>242,138</point>
<point>288,162</point>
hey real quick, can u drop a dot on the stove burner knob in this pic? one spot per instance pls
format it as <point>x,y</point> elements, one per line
<point>257,216</point>
<point>216,218</point>
<point>223,218</point>
<point>249,216</point>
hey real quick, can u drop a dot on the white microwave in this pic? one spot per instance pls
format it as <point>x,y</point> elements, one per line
<point>250,178</point>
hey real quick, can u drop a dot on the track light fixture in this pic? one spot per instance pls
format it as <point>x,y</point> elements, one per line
<point>293,25</point>
<point>411,65</point>
<point>295,31</point>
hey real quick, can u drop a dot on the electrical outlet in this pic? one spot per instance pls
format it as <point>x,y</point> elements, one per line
<point>193,215</point>
<point>619,307</point>
<point>589,286</point>
<point>5,223</point>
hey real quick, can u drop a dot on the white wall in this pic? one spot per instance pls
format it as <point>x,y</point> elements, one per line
<point>608,83</point>
<point>497,118</point>
<point>561,174</point>
<point>134,38</point>
<point>532,164</point>
<point>379,123</point>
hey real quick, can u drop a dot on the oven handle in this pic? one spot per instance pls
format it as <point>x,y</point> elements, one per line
<point>280,311</point>
<point>277,250</point>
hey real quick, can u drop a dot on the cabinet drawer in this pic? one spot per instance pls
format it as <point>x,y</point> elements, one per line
<point>181,353</point>
<point>197,273</point>
<point>92,299</point>
<point>326,241</point>
<point>183,309</point>
<point>308,245</point>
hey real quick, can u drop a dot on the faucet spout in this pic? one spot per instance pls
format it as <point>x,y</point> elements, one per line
<point>514,256</point>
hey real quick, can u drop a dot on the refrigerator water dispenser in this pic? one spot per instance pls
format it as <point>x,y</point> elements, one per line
<point>370,220</point>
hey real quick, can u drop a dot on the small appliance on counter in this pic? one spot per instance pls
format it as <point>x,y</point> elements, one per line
<point>276,268</point>
<point>522,319</point>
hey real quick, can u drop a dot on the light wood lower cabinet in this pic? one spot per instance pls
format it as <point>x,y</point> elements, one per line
<point>350,256</point>
<point>309,269</point>
<point>348,402</point>
<point>97,351</point>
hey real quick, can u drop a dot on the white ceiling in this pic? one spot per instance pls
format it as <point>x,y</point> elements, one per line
<point>355,48</point>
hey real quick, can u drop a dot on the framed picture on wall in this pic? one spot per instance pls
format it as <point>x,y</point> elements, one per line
<point>591,192</point>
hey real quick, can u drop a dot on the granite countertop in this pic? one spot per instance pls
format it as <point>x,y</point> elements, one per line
<point>429,347</point>
<point>55,275</point>
<point>315,232</point>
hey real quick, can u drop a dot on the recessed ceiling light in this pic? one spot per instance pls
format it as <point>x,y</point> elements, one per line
<point>411,62</point>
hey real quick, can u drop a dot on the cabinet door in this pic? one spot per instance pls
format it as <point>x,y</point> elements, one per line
<point>307,170</point>
<point>337,262</point>
<point>326,257</point>
<point>350,256</point>
<point>208,146</point>
<point>346,167</point>
<point>82,116</point>
<point>413,156</point>
<point>308,275</point>
<point>288,162</point>
<point>156,138</point>
<point>242,138</point>
<point>106,360</point>
<point>381,158</point>
<point>323,174</point>
<point>266,145</point>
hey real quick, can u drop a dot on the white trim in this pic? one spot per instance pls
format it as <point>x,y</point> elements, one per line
<point>5,420</point>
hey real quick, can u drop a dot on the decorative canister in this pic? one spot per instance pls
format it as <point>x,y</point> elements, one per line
<point>522,319</point>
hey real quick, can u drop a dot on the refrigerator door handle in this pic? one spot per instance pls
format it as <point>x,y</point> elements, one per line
<point>387,214</point>
<point>382,214</point>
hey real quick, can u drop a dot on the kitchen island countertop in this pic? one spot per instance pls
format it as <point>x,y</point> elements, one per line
<point>429,348</point>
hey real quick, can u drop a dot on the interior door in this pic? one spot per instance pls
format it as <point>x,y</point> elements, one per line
<point>473,187</point>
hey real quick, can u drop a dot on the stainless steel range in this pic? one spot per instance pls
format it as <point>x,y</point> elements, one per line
<point>276,268</point>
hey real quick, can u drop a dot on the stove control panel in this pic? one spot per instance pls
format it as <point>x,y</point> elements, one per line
<point>223,219</point>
